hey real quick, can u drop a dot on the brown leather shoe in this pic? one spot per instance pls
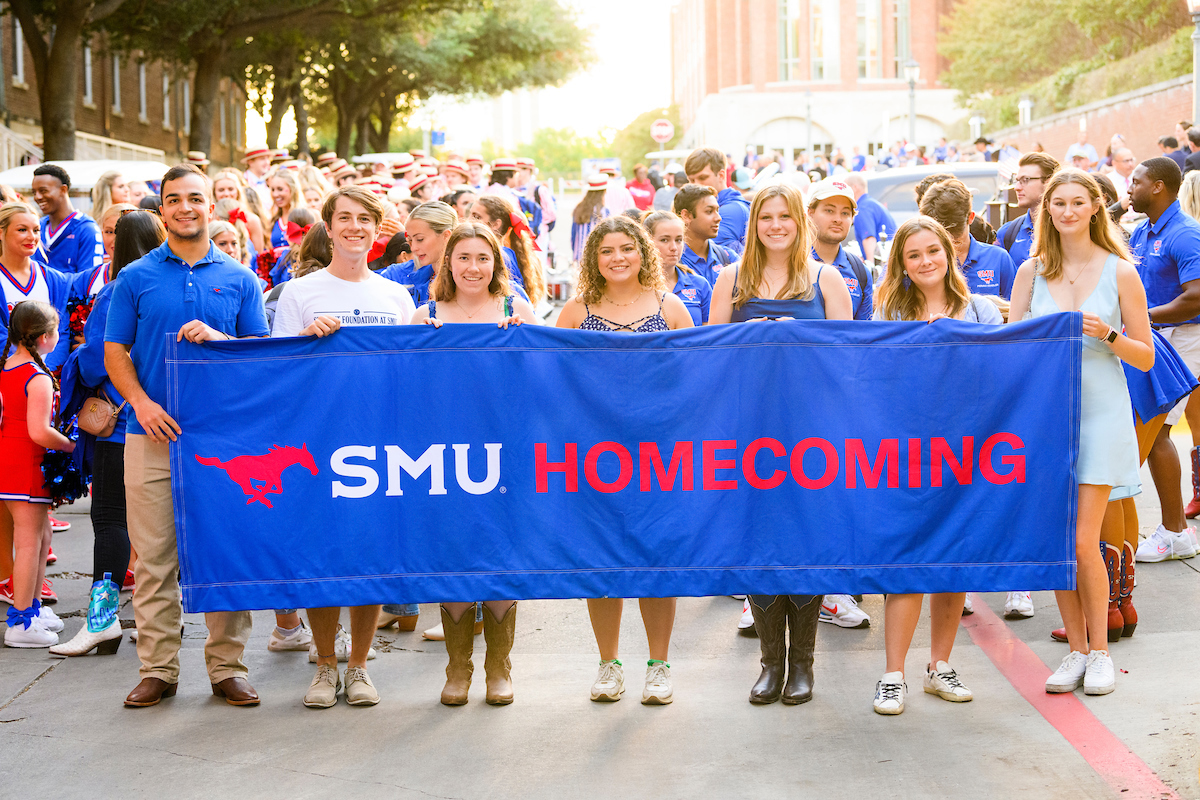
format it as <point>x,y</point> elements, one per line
<point>149,692</point>
<point>236,691</point>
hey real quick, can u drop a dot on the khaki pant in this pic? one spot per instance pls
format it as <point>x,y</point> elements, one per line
<point>156,600</point>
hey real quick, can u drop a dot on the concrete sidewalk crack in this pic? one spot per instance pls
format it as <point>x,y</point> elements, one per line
<point>30,685</point>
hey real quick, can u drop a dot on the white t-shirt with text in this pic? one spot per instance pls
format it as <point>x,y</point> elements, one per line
<point>375,301</point>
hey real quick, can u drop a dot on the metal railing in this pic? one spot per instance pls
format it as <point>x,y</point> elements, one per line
<point>16,150</point>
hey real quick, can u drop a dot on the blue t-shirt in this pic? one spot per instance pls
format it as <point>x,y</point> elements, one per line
<point>735,219</point>
<point>718,257</point>
<point>1167,255</point>
<point>862,298</point>
<point>696,294</point>
<point>74,246</point>
<point>159,293</point>
<point>870,219</point>
<point>988,269</point>
<point>1022,241</point>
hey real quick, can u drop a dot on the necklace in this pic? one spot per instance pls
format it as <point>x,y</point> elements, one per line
<point>1077,274</point>
<point>471,314</point>
<point>631,302</point>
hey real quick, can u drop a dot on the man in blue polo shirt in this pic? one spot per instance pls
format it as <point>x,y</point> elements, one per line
<point>831,208</point>
<point>1016,236</point>
<point>71,241</point>
<point>987,268</point>
<point>189,288</point>
<point>1166,250</point>
<point>706,167</point>
<point>872,219</point>
<point>696,205</point>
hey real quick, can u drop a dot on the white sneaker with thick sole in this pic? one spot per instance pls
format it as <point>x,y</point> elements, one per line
<point>299,639</point>
<point>889,694</point>
<point>1019,605</point>
<point>1165,545</point>
<point>1069,675</point>
<point>610,682</point>
<point>943,681</point>
<point>841,610</point>
<point>968,606</point>
<point>35,635</point>
<point>1101,675</point>
<point>50,621</point>
<point>658,691</point>
<point>341,647</point>
<point>747,620</point>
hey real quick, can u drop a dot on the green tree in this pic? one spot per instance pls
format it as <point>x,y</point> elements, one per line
<point>633,141</point>
<point>559,151</point>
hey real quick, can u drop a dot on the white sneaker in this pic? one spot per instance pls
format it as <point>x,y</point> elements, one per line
<point>889,694</point>
<point>341,647</point>
<point>1019,605</point>
<point>299,639</point>
<point>943,681</point>
<point>841,610</point>
<point>658,691</point>
<point>747,620</point>
<point>968,608</point>
<point>610,682</point>
<point>1069,675</point>
<point>50,621</point>
<point>1101,675</point>
<point>35,635</point>
<point>1163,545</point>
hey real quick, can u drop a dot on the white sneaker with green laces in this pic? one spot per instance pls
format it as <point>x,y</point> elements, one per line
<point>610,682</point>
<point>658,691</point>
<point>943,681</point>
<point>889,694</point>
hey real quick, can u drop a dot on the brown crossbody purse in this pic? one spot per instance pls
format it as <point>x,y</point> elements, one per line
<point>99,416</point>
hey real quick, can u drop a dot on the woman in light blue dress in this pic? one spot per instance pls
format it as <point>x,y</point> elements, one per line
<point>1079,262</point>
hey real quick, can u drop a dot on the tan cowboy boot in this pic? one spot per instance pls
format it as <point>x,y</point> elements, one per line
<point>460,642</point>
<point>497,665</point>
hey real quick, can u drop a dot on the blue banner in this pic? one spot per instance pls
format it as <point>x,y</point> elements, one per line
<point>469,463</point>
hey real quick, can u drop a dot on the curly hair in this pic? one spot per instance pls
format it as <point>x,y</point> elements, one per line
<point>591,283</point>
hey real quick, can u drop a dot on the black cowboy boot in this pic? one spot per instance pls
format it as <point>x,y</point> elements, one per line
<point>803,611</point>
<point>770,620</point>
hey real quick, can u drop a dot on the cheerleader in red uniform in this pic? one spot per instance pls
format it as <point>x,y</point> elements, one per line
<point>27,395</point>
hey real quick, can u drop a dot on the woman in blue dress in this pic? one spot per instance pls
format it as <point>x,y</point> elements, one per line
<point>778,279</point>
<point>1079,262</point>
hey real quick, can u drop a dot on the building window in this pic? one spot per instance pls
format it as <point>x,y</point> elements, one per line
<point>221,105</point>
<point>116,69</point>
<point>143,115</point>
<point>790,31</point>
<point>88,98</point>
<point>870,36</point>
<point>166,101</point>
<point>18,54</point>
<point>187,108</point>
<point>824,34</point>
<point>903,48</point>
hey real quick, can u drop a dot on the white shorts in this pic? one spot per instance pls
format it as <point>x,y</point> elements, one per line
<point>1185,339</point>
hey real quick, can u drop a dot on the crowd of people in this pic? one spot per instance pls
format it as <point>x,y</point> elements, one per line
<point>292,248</point>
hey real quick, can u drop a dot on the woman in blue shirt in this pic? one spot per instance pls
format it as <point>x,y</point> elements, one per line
<point>666,233</point>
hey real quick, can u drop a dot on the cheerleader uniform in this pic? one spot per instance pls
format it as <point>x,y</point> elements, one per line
<point>20,457</point>
<point>279,233</point>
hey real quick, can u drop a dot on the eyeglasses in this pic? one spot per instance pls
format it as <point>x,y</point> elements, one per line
<point>1024,181</point>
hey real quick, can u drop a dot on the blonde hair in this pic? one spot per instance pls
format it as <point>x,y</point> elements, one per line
<point>444,287</point>
<point>311,178</point>
<point>1189,195</point>
<point>591,284</point>
<point>754,261</point>
<point>7,212</point>
<point>293,184</point>
<point>437,215</point>
<point>897,297</point>
<point>116,208</point>
<point>356,194</point>
<point>238,180</point>
<point>102,194</point>
<point>1047,243</point>
<point>224,207</point>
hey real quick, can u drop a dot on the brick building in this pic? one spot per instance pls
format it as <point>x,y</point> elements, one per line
<point>126,108</point>
<point>747,72</point>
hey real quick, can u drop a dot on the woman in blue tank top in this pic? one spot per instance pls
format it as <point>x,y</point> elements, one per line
<point>621,290</point>
<point>778,279</point>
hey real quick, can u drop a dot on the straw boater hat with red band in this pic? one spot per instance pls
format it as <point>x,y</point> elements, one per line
<point>597,182</point>
<point>279,156</point>
<point>418,183</point>
<point>257,152</point>
<point>504,163</point>
<point>525,163</point>
<point>457,166</point>
<point>343,171</point>
<point>475,160</point>
<point>403,163</point>
<point>197,158</point>
<point>418,154</point>
<point>325,159</point>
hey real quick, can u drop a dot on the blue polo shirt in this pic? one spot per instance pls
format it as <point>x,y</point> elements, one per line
<point>74,246</point>
<point>988,269</point>
<point>1167,255</point>
<point>695,292</point>
<point>1022,240</point>
<point>735,219</point>
<point>870,219</point>
<point>410,276</point>
<point>159,293</point>
<point>862,298</point>
<point>718,257</point>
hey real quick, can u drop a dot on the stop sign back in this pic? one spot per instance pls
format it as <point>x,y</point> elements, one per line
<point>662,131</point>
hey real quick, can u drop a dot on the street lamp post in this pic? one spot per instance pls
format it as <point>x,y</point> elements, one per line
<point>1194,9</point>
<point>912,74</point>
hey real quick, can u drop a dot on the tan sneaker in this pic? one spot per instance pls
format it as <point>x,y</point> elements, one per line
<point>323,691</point>
<point>359,689</point>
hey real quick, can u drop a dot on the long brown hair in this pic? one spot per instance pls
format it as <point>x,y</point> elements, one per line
<point>500,210</point>
<point>589,207</point>
<point>754,261</point>
<point>1047,243</point>
<point>314,252</point>
<point>897,301</point>
<point>591,283</point>
<point>29,321</point>
<point>444,287</point>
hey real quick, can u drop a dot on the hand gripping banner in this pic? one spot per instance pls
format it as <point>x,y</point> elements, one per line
<point>415,464</point>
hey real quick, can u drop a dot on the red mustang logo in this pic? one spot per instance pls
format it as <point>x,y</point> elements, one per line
<point>259,476</point>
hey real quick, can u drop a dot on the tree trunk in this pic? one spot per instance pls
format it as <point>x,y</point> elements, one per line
<point>363,123</point>
<point>381,139</point>
<point>281,98</point>
<point>301,123</point>
<point>204,96</point>
<point>56,70</point>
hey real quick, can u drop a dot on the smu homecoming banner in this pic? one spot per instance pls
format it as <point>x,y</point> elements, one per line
<point>470,463</point>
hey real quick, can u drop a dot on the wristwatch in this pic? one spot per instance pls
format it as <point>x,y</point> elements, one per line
<point>1112,335</point>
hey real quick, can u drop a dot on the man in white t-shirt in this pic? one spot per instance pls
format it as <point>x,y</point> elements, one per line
<point>318,304</point>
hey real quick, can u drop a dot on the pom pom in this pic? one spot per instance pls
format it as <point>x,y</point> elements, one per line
<point>64,481</point>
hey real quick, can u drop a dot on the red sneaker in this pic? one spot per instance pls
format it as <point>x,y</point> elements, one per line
<point>48,595</point>
<point>6,591</point>
<point>57,525</point>
<point>127,586</point>
<point>51,558</point>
